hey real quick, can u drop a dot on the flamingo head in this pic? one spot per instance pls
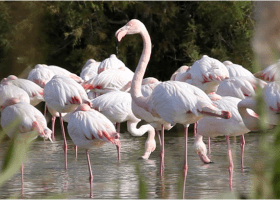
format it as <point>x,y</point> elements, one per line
<point>201,151</point>
<point>134,26</point>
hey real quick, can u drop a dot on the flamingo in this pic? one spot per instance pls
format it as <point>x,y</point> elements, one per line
<point>117,107</point>
<point>113,63</point>
<point>89,62</point>
<point>180,74</point>
<point>42,74</point>
<point>89,71</point>
<point>8,91</point>
<point>173,101</point>
<point>34,91</point>
<point>237,70</point>
<point>271,96</point>
<point>88,128</point>
<point>270,73</point>
<point>63,94</point>
<point>212,127</point>
<point>109,80</point>
<point>240,86</point>
<point>21,120</point>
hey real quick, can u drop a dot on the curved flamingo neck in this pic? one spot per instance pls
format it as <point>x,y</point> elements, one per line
<point>251,120</point>
<point>136,93</point>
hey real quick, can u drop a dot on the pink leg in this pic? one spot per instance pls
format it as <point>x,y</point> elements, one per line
<point>76,151</point>
<point>53,125</point>
<point>158,134</point>
<point>162,151</point>
<point>22,180</point>
<point>242,145</point>
<point>64,138</point>
<point>231,166</point>
<point>186,159</point>
<point>209,145</point>
<point>194,129</point>
<point>90,175</point>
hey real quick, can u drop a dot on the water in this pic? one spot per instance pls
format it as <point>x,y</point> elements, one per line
<point>44,174</point>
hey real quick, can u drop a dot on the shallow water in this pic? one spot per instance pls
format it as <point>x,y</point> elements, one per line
<point>45,176</point>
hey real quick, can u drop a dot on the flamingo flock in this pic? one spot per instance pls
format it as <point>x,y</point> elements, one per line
<point>217,97</point>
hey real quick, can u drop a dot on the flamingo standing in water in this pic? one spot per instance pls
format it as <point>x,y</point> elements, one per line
<point>173,101</point>
<point>88,128</point>
<point>63,94</point>
<point>212,127</point>
<point>22,120</point>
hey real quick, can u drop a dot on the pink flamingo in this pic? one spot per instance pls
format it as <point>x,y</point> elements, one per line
<point>89,70</point>
<point>207,73</point>
<point>173,101</point>
<point>8,91</point>
<point>22,120</point>
<point>240,86</point>
<point>113,63</point>
<point>237,70</point>
<point>117,107</point>
<point>180,74</point>
<point>63,94</point>
<point>271,96</point>
<point>88,128</point>
<point>270,73</point>
<point>212,127</point>
<point>109,80</point>
<point>34,91</point>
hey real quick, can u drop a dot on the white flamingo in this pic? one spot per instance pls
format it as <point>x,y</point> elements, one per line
<point>63,94</point>
<point>20,119</point>
<point>212,127</point>
<point>88,128</point>
<point>34,91</point>
<point>8,91</point>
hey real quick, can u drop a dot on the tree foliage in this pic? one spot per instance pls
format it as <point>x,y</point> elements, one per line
<point>69,33</point>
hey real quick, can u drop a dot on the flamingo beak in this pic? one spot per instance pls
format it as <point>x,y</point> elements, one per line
<point>121,33</point>
<point>204,158</point>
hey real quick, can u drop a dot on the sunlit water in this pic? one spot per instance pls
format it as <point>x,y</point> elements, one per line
<point>45,176</point>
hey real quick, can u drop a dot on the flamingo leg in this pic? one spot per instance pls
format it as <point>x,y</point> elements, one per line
<point>186,159</point>
<point>53,125</point>
<point>90,174</point>
<point>76,151</point>
<point>209,145</point>
<point>242,145</point>
<point>22,180</point>
<point>64,139</point>
<point>158,134</point>
<point>231,166</point>
<point>194,129</point>
<point>162,151</point>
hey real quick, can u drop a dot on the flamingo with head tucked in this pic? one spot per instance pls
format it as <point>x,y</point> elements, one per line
<point>63,94</point>
<point>21,120</point>
<point>88,128</point>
